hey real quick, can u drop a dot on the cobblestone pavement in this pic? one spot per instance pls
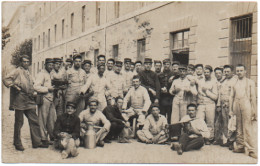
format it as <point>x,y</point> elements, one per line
<point>134,152</point>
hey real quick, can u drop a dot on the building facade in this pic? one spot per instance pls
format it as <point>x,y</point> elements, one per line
<point>214,33</point>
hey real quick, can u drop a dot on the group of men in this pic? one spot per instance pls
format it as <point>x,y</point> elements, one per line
<point>71,96</point>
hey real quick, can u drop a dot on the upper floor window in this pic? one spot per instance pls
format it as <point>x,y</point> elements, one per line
<point>97,13</point>
<point>71,22</point>
<point>83,17</point>
<point>62,28</point>
<point>141,49</point>
<point>117,5</point>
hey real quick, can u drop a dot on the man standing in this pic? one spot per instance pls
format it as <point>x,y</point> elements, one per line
<point>243,105</point>
<point>138,67</point>
<point>76,78</point>
<point>180,88</point>
<point>132,66</point>
<point>127,74</point>
<point>150,81</point>
<point>157,66</point>
<point>68,63</point>
<point>47,112</point>
<point>207,97</point>
<point>23,103</point>
<point>86,66</point>
<point>118,123</point>
<point>139,101</point>
<point>110,68</point>
<point>100,86</point>
<point>93,116</point>
<point>194,132</point>
<point>154,128</point>
<point>100,59</point>
<point>165,96</point>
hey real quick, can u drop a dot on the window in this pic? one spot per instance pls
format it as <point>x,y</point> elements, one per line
<point>97,14</point>
<point>115,51</point>
<point>43,39</point>
<point>40,11</point>
<point>117,4</point>
<point>39,42</point>
<point>71,23</point>
<point>82,54</point>
<point>140,49</point>
<point>38,67</point>
<point>96,52</point>
<point>44,8</point>
<point>180,46</point>
<point>62,30</point>
<point>241,41</point>
<point>49,37</point>
<point>42,64</point>
<point>55,32</point>
<point>83,18</point>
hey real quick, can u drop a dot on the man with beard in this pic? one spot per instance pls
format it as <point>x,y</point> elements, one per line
<point>157,66</point>
<point>76,77</point>
<point>47,113</point>
<point>94,116</point>
<point>150,81</point>
<point>127,74</point>
<point>100,86</point>
<point>165,96</point>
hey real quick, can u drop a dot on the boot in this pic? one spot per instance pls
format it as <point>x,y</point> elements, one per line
<point>19,147</point>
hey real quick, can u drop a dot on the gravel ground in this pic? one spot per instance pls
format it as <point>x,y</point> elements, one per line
<point>134,152</point>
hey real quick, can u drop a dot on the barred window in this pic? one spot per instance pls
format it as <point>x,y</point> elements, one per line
<point>141,49</point>
<point>115,51</point>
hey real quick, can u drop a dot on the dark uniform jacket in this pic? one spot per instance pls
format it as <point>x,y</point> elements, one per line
<point>69,124</point>
<point>149,79</point>
<point>113,114</point>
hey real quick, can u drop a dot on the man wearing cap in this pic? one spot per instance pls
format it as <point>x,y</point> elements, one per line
<point>165,96</point>
<point>76,78</point>
<point>110,68</point>
<point>100,59</point>
<point>47,112</point>
<point>99,85</point>
<point>138,67</point>
<point>67,132</point>
<point>132,66</point>
<point>139,102</point>
<point>21,81</point>
<point>243,106</point>
<point>181,88</point>
<point>194,132</point>
<point>117,80</point>
<point>175,70</point>
<point>68,63</point>
<point>191,77</point>
<point>59,74</point>
<point>127,74</point>
<point>94,116</point>
<point>157,66</point>
<point>207,97</point>
<point>153,131</point>
<point>199,73</point>
<point>150,81</point>
<point>86,66</point>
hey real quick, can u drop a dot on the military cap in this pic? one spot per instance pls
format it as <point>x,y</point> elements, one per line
<point>157,61</point>
<point>77,56</point>
<point>101,56</point>
<point>57,60</point>
<point>218,68</point>
<point>182,67</point>
<point>154,105</point>
<point>208,67</point>
<point>191,66</point>
<point>69,60</point>
<point>127,60</point>
<point>48,60</point>
<point>71,104</point>
<point>138,62</point>
<point>132,63</point>
<point>229,66</point>
<point>166,61</point>
<point>148,60</point>
<point>119,63</point>
<point>198,65</point>
<point>87,62</point>
<point>111,59</point>
<point>175,63</point>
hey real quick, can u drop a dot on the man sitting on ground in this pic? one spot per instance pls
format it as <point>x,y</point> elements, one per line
<point>92,116</point>
<point>194,132</point>
<point>67,132</point>
<point>154,127</point>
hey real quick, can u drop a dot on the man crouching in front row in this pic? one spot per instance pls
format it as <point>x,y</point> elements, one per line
<point>194,132</point>
<point>67,132</point>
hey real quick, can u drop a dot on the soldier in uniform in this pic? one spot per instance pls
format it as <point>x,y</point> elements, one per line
<point>150,81</point>
<point>47,112</point>
<point>138,67</point>
<point>165,96</point>
<point>68,63</point>
<point>110,68</point>
<point>86,66</point>
<point>157,66</point>
<point>23,103</point>
<point>132,67</point>
<point>127,74</point>
<point>76,78</point>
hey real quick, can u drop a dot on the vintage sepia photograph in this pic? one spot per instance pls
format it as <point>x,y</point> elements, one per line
<point>129,82</point>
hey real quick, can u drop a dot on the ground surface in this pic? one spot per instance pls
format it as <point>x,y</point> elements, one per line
<point>134,152</point>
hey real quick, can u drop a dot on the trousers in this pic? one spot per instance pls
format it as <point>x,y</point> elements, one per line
<point>166,110</point>
<point>59,102</point>
<point>190,143</point>
<point>218,126</point>
<point>68,146</point>
<point>225,118</point>
<point>115,129</point>
<point>33,123</point>
<point>246,129</point>
<point>47,118</point>
<point>207,113</point>
<point>179,109</point>
<point>146,136</point>
<point>72,95</point>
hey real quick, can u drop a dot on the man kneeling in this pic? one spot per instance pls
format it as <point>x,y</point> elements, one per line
<point>93,116</point>
<point>154,128</point>
<point>194,132</point>
<point>67,132</point>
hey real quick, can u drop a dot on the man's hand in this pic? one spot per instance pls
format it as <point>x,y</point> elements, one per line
<point>51,89</point>
<point>164,90</point>
<point>204,89</point>
<point>218,109</point>
<point>177,90</point>
<point>152,91</point>
<point>171,78</point>
<point>83,125</point>
<point>17,87</point>
<point>231,113</point>
<point>156,101</point>
<point>253,117</point>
